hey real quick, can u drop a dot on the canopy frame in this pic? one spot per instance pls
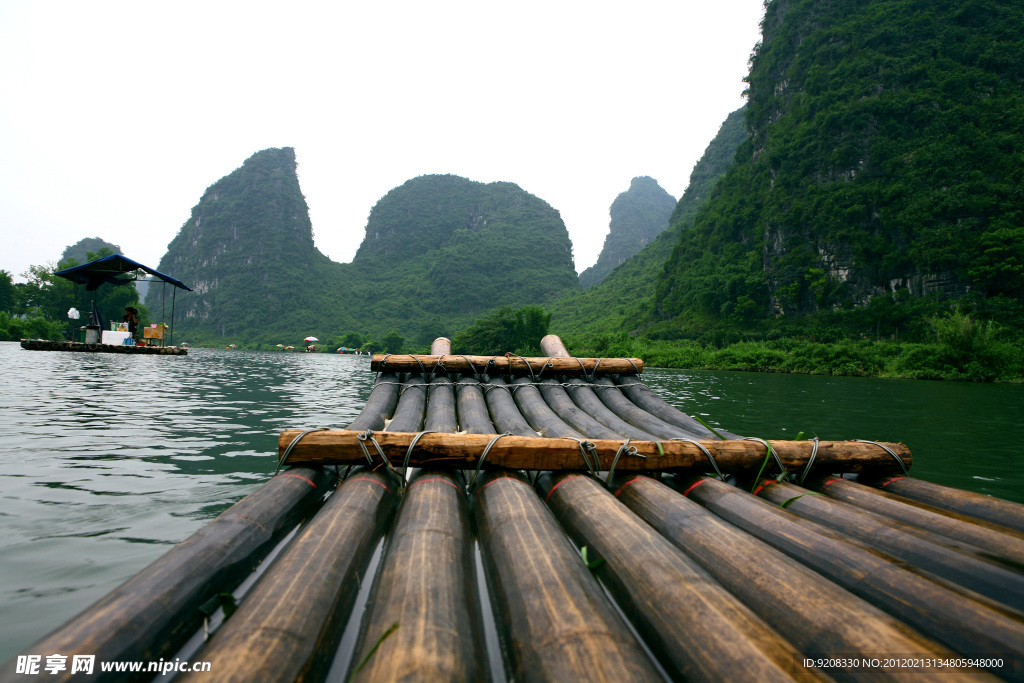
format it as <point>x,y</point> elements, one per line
<point>109,269</point>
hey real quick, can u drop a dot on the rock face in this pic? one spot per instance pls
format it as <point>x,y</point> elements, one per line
<point>638,215</point>
<point>247,249</point>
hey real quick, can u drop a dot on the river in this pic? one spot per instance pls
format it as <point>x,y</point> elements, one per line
<point>111,459</point>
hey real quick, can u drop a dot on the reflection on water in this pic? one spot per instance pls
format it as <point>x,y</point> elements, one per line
<point>960,434</point>
<point>109,459</point>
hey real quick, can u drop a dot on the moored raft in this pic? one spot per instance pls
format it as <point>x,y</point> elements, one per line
<point>552,518</point>
<point>58,345</point>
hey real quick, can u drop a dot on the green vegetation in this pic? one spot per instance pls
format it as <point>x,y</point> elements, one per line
<point>958,347</point>
<point>39,308</point>
<point>975,351</point>
<point>505,330</point>
<point>438,252</point>
<point>80,250</point>
<point>884,156</point>
<point>35,327</point>
<point>870,223</point>
<point>624,300</point>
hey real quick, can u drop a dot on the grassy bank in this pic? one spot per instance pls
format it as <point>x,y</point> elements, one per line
<point>994,361</point>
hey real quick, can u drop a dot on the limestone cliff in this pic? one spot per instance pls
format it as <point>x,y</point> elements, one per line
<point>638,215</point>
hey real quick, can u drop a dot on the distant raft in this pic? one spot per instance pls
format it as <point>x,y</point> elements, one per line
<point>51,345</point>
<point>540,519</point>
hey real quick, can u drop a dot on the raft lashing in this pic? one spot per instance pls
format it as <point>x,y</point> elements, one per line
<point>554,519</point>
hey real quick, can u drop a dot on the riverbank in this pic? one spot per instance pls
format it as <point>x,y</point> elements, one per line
<point>978,362</point>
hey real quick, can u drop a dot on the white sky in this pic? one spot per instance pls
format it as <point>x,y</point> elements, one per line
<point>115,116</point>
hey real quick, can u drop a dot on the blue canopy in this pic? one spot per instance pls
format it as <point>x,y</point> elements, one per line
<point>107,269</point>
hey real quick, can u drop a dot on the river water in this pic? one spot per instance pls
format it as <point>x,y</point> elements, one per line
<point>109,459</point>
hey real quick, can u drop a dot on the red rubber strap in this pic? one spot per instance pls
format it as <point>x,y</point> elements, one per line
<point>298,476</point>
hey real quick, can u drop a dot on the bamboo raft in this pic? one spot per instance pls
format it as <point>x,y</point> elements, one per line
<point>553,519</point>
<point>54,345</point>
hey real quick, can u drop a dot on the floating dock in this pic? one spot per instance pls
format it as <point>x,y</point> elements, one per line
<point>553,519</point>
<point>81,347</point>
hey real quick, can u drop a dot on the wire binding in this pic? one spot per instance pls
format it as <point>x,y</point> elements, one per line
<point>483,456</point>
<point>810,462</point>
<point>291,446</point>
<point>706,452</point>
<point>903,465</point>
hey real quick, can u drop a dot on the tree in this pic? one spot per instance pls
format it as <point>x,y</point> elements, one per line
<point>505,329</point>
<point>45,295</point>
<point>352,340</point>
<point>393,342</point>
<point>530,326</point>
<point>7,292</point>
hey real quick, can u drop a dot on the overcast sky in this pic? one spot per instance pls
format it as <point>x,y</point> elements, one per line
<point>116,116</point>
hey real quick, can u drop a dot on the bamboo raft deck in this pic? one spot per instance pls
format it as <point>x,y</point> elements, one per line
<point>82,347</point>
<point>560,506</point>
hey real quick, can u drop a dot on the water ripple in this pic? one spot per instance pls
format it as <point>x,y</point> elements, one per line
<point>109,458</point>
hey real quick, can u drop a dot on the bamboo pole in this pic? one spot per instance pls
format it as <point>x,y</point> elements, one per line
<point>646,418</point>
<point>539,453</point>
<point>917,547</point>
<point>502,407</point>
<point>412,406</point>
<point>152,614</point>
<point>380,405</point>
<point>288,626</point>
<point>644,397</point>
<point>426,586</point>
<point>504,365</point>
<point>540,416</point>
<point>552,345</point>
<point>813,613</point>
<point>977,505</point>
<point>586,398</point>
<point>697,629</point>
<point>610,395</point>
<point>441,406</point>
<point>553,618</point>
<point>960,623</point>
<point>991,540</point>
<point>558,400</point>
<point>442,346</point>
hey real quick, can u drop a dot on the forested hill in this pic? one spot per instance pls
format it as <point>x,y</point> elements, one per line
<point>638,215</point>
<point>80,249</point>
<point>440,246</point>
<point>247,251</point>
<point>438,251</point>
<point>624,299</point>
<point>884,169</point>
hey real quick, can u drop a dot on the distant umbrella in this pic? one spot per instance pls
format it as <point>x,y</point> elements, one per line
<point>280,346</point>
<point>310,339</point>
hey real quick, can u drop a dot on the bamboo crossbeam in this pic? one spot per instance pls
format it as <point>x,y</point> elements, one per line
<point>341,447</point>
<point>516,365</point>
